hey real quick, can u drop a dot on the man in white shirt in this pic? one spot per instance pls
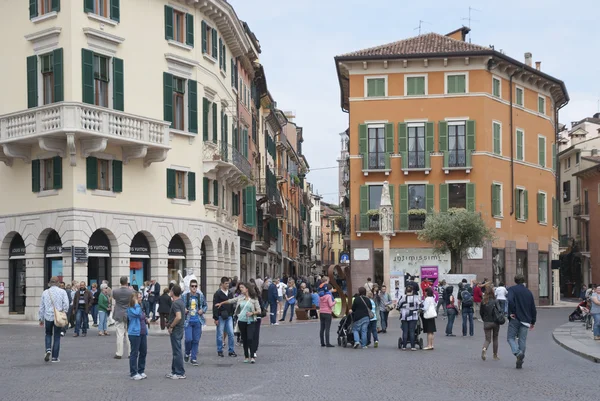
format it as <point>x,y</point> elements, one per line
<point>53,297</point>
<point>281,287</point>
<point>501,293</point>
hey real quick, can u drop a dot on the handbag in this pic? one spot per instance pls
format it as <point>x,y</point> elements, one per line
<point>371,314</point>
<point>430,313</point>
<point>60,317</point>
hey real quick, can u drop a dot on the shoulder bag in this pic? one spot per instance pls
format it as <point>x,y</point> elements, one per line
<point>60,317</point>
<point>430,312</point>
<point>371,315</point>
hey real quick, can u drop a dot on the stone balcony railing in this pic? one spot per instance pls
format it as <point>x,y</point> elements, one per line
<point>62,127</point>
<point>226,162</point>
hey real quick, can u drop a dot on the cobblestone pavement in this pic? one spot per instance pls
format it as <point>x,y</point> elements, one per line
<point>292,366</point>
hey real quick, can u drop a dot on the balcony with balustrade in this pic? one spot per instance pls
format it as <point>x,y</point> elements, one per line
<point>581,211</point>
<point>66,126</point>
<point>227,163</point>
<point>457,159</point>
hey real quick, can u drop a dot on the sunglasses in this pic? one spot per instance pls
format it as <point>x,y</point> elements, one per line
<point>193,286</point>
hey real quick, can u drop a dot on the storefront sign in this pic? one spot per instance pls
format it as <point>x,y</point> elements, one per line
<point>176,246</point>
<point>17,247</point>
<point>57,248</point>
<point>410,260</point>
<point>98,249</point>
<point>139,245</point>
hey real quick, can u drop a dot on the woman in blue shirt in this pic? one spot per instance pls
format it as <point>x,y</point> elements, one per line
<point>290,299</point>
<point>137,331</point>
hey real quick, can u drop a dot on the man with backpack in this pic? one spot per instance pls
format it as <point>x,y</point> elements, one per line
<point>195,308</point>
<point>466,297</point>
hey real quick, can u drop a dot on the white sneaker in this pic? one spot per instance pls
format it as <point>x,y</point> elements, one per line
<point>47,357</point>
<point>136,377</point>
<point>55,360</point>
<point>143,375</point>
<point>255,354</point>
<point>178,377</point>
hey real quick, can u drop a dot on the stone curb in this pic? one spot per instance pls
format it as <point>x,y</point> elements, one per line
<point>563,336</point>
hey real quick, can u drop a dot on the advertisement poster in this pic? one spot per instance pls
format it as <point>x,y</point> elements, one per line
<point>136,274</point>
<point>57,268</point>
<point>396,288</point>
<point>429,278</point>
<point>410,260</point>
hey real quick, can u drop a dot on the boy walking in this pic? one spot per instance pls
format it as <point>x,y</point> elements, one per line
<point>195,307</point>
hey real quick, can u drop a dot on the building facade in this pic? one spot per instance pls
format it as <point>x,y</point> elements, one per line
<point>576,145</point>
<point>131,142</point>
<point>450,124</point>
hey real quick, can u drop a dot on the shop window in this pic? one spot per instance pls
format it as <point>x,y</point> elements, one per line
<point>522,264</point>
<point>543,274</point>
<point>498,266</point>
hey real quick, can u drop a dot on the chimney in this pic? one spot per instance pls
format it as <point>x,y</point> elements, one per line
<point>528,57</point>
<point>538,65</point>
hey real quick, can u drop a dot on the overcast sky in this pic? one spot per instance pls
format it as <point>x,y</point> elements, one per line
<point>299,39</point>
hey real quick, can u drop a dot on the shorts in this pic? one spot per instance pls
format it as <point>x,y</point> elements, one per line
<point>279,299</point>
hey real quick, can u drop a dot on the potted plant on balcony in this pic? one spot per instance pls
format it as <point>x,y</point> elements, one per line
<point>244,180</point>
<point>416,219</point>
<point>417,212</point>
<point>373,215</point>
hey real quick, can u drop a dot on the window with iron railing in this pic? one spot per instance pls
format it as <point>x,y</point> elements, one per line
<point>376,148</point>
<point>416,147</point>
<point>457,154</point>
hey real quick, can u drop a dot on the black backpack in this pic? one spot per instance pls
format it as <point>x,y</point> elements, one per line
<point>498,314</point>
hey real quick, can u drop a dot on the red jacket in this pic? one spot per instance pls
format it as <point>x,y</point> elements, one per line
<point>477,294</point>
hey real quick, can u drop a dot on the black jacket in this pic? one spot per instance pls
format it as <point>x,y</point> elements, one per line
<point>521,304</point>
<point>486,311</point>
<point>224,310</point>
<point>361,307</point>
<point>164,303</point>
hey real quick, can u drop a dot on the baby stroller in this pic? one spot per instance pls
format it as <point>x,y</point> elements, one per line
<point>582,313</point>
<point>418,339</point>
<point>344,331</point>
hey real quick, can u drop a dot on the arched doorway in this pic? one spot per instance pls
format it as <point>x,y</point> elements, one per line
<point>207,251</point>
<point>16,276</point>
<point>98,258</point>
<point>139,263</point>
<point>203,267</point>
<point>53,261</point>
<point>177,256</point>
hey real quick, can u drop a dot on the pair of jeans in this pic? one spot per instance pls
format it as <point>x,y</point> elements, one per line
<point>146,307</point>
<point>122,335</point>
<point>443,305</point>
<point>193,332</point>
<point>384,319</point>
<point>137,357</point>
<point>287,305</point>
<point>491,330</point>
<point>517,329</point>
<point>452,312</point>
<point>225,325</point>
<point>325,328</point>
<point>177,363</point>
<point>359,330</point>
<point>273,312</point>
<point>408,332</point>
<point>102,318</point>
<point>152,310</point>
<point>467,314</point>
<point>257,334</point>
<point>94,313</point>
<point>81,321</point>
<point>596,317</point>
<point>504,305</point>
<point>55,347</point>
<point>247,331</point>
<point>372,330</point>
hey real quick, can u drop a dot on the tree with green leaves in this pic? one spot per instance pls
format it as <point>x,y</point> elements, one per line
<point>454,232</point>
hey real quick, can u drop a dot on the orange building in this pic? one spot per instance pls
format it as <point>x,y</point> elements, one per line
<point>450,124</point>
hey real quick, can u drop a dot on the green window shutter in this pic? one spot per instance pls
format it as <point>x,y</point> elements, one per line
<point>226,138</point>
<point>363,144</point>
<point>117,173</point>
<point>35,176</point>
<point>189,27</point>
<point>56,5</point>
<point>205,109</point>
<point>215,118</point>
<point>519,145</point>
<point>233,204</point>
<point>554,157</point>
<point>429,143</point>
<point>540,214</point>
<point>214,43</point>
<point>429,198</point>
<point>205,190</point>
<point>403,207</point>
<point>118,85</point>
<point>171,185</point>
<point>461,84</point>
<point>471,197</point>
<point>224,51</point>
<point>115,10</point>
<point>244,206</point>
<point>370,87</point>
<point>421,85</point>
<point>168,23</point>
<point>553,212</point>
<point>443,136</point>
<point>88,6</point>
<point>542,151</point>
<point>364,208</point>
<point>526,207</point>
<point>87,57</point>
<point>204,38</point>
<point>192,106</point>
<point>168,97</point>
<point>471,135</point>
<point>403,143</point>
<point>32,81</point>
<point>220,50</point>
<point>443,198</point>
<point>232,74</point>
<point>518,204</point>
<point>495,211</point>
<point>33,10</point>
<point>392,199</point>
<point>57,70</point>
<point>250,209</point>
<point>91,173</point>
<point>389,138</point>
<point>496,138</point>
<point>450,84</point>
<point>216,193</point>
<point>191,186</point>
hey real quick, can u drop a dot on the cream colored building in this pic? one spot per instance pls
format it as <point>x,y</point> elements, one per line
<point>115,138</point>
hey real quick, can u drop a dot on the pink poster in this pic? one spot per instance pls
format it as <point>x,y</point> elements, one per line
<point>429,278</point>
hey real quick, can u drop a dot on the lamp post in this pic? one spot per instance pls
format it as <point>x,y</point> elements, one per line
<point>386,228</point>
